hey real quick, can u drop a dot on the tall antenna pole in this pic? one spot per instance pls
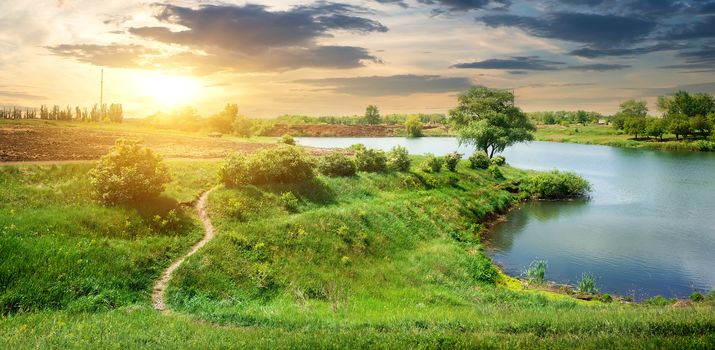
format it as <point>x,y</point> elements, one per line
<point>101,90</point>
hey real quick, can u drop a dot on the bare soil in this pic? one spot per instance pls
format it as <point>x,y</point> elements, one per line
<point>20,143</point>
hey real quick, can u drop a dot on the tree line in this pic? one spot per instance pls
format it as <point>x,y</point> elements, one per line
<point>104,113</point>
<point>684,115</point>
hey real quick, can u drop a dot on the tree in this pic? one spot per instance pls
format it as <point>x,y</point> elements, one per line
<point>223,121</point>
<point>582,117</point>
<point>372,115</point>
<point>488,120</point>
<point>633,108</point>
<point>635,126</point>
<point>413,126</point>
<point>678,125</point>
<point>701,125</point>
<point>686,104</point>
<point>656,127</point>
<point>115,114</point>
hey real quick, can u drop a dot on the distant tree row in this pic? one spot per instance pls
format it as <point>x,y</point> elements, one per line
<point>111,113</point>
<point>684,115</point>
<point>564,117</point>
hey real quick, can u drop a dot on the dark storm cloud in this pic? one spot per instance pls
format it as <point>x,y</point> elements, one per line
<point>518,65</point>
<point>395,85</point>
<point>593,29</point>
<point>648,8</point>
<point>692,88</point>
<point>114,55</point>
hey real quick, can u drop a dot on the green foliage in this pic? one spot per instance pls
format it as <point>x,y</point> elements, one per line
<point>431,164</point>
<point>606,298</point>
<point>129,173</point>
<point>372,115</point>
<point>451,160</point>
<point>488,120</point>
<point>370,160</point>
<point>656,127</point>
<point>587,284</point>
<point>496,172</point>
<point>398,159</point>
<point>556,185</point>
<point>499,161</point>
<point>633,108</point>
<point>479,160</point>
<point>536,271</point>
<point>705,146</point>
<point>413,126</point>
<point>696,297</point>
<point>679,125</point>
<point>223,121</point>
<point>289,202</point>
<point>280,165</point>
<point>287,140</point>
<point>635,126</point>
<point>336,164</point>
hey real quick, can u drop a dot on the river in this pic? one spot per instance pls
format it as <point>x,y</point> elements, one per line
<point>648,228</point>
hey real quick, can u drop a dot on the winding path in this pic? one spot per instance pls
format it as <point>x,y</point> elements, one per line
<point>157,296</point>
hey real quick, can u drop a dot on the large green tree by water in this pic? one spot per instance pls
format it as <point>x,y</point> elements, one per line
<point>488,120</point>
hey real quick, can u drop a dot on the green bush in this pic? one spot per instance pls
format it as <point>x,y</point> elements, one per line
<point>606,298</point>
<point>498,161</point>
<point>370,160</point>
<point>479,160</point>
<point>496,172</point>
<point>432,164</point>
<point>705,146</point>
<point>336,164</point>
<point>451,160</point>
<point>398,159</point>
<point>128,173</point>
<point>287,139</point>
<point>283,164</point>
<point>289,202</point>
<point>556,185</point>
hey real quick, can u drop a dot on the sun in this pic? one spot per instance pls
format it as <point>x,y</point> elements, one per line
<point>171,90</point>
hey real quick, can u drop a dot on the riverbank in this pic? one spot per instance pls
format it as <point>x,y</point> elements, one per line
<point>375,260</point>
<point>606,135</point>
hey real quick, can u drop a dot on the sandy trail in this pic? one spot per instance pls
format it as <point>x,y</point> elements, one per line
<point>159,292</point>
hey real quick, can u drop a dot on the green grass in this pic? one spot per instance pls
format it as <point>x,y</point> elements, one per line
<point>378,260</point>
<point>608,136</point>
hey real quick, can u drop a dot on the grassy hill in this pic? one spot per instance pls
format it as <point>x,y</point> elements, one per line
<point>389,260</point>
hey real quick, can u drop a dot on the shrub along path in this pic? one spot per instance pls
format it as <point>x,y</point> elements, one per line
<point>159,291</point>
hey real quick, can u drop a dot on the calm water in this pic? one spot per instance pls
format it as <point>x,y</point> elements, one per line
<point>649,228</point>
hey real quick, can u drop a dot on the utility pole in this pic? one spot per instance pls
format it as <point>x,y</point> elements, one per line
<point>101,89</point>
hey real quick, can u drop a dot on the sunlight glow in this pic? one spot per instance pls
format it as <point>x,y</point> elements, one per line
<point>171,90</point>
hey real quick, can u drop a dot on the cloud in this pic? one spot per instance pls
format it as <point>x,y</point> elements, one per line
<point>692,88</point>
<point>592,29</point>
<point>239,38</point>
<point>400,3</point>
<point>465,5</point>
<point>114,55</point>
<point>704,28</point>
<point>395,85</point>
<point>514,63</point>
<point>590,52</point>
<point>520,64</point>
<point>632,7</point>
<point>702,58</point>
<point>253,28</point>
<point>14,94</point>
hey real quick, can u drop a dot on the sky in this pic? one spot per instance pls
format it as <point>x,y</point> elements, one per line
<point>334,58</point>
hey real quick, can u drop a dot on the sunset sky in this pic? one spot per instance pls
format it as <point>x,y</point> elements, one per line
<point>324,58</point>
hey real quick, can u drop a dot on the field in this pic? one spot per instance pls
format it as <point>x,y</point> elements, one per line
<point>389,260</point>
<point>607,135</point>
<point>37,140</point>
